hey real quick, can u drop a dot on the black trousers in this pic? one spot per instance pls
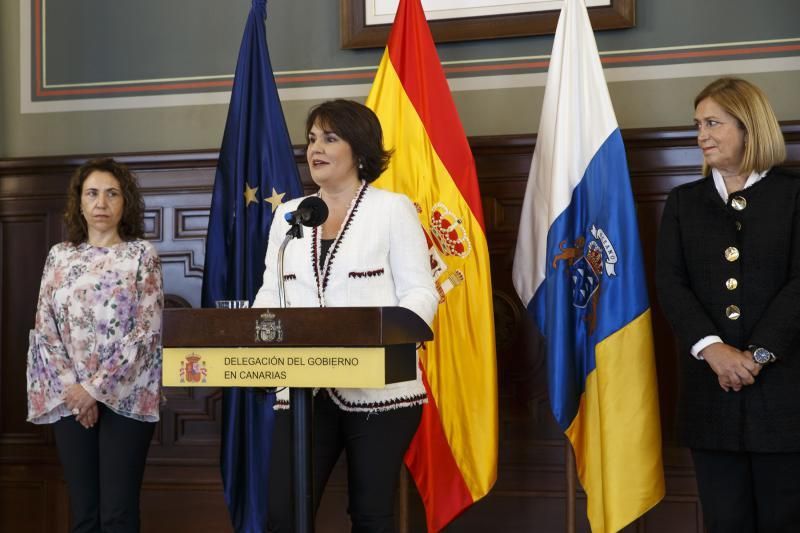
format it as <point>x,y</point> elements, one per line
<point>745,492</point>
<point>103,467</point>
<point>374,443</point>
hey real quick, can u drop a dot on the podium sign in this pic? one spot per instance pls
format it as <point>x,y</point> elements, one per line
<point>342,347</point>
<point>339,367</point>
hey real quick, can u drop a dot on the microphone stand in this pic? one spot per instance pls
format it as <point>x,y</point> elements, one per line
<point>295,232</point>
<point>300,399</point>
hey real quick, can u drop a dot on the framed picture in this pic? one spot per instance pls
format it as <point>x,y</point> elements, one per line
<point>366,23</point>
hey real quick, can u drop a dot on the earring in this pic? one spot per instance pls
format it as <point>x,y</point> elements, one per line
<point>360,165</point>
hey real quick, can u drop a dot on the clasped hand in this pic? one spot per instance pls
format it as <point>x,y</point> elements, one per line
<point>82,404</point>
<point>734,368</point>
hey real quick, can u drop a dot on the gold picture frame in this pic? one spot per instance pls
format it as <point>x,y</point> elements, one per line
<point>356,34</point>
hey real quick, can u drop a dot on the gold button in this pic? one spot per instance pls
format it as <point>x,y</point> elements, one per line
<point>739,202</point>
<point>738,226</point>
<point>733,312</point>
<point>731,284</point>
<point>731,254</point>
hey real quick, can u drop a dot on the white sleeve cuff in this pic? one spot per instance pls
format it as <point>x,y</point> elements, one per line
<point>702,343</point>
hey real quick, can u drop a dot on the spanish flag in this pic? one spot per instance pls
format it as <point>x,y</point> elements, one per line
<point>453,457</point>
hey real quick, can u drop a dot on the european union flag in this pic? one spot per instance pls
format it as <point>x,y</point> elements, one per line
<point>255,173</point>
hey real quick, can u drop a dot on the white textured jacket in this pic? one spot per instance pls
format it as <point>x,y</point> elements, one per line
<point>379,258</point>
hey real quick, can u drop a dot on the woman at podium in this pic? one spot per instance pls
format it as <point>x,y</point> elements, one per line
<point>370,251</point>
<point>94,359</point>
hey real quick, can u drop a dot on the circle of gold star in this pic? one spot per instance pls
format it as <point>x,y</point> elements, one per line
<point>276,199</point>
<point>249,194</point>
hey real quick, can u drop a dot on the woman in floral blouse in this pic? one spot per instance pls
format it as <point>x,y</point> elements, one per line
<point>94,361</point>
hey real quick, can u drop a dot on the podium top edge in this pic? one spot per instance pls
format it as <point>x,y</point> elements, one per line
<point>298,326</point>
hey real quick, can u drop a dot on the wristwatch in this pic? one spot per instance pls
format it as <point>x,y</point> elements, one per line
<point>761,355</point>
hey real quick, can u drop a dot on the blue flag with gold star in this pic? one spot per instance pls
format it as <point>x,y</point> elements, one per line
<point>255,173</point>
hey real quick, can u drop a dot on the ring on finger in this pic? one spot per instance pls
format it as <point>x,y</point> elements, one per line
<point>76,411</point>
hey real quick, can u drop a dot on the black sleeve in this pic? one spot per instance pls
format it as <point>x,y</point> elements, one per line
<point>683,310</point>
<point>779,325</point>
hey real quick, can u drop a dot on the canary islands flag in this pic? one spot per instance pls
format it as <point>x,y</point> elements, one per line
<point>453,456</point>
<point>578,268</point>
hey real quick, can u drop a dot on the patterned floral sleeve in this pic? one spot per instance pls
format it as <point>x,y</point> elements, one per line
<point>49,370</point>
<point>128,376</point>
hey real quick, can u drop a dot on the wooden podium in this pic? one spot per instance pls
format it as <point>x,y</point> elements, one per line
<point>301,348</point>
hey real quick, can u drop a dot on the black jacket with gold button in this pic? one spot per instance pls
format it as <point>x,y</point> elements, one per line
<point>734,271</point>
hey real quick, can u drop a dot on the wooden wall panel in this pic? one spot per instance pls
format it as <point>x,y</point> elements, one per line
<point>182,487</point>
<point>21,498</point>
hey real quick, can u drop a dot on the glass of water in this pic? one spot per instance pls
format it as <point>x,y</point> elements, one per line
<point>232,304</point>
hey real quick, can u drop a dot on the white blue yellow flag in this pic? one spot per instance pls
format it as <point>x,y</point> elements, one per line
<point>578,269</point>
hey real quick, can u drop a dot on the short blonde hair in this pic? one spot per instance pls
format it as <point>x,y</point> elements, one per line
<point>764,145</point>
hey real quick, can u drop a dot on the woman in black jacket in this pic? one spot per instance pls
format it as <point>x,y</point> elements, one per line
<point>728,278</point>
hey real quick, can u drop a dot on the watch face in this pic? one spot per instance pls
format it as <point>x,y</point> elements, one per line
<point>762,356</point>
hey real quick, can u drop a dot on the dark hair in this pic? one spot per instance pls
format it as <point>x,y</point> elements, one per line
<point>131,226</point>
<point>359,126</point>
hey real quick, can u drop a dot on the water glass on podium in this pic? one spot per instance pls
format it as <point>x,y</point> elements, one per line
<point>232,304</point>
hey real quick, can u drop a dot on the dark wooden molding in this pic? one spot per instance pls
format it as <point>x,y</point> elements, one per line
<point>634,138</point>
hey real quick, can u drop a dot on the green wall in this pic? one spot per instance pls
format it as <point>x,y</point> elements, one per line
<point>303,35</point>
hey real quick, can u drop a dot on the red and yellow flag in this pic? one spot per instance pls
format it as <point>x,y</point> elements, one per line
<point>453,457</point>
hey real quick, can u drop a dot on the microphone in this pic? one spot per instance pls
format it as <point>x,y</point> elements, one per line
<point>311,212</point>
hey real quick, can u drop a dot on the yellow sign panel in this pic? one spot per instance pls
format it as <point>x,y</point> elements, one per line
<point>274,367</point>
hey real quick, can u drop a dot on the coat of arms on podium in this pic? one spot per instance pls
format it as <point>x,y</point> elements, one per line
<point>268,328</point>
<point>194,369</point>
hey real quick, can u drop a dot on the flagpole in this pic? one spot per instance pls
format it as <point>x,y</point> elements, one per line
<point>403,525</point>
<point>569,471</point>
<point>301,399</point>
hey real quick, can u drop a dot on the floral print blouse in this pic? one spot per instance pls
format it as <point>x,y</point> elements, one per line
<point>98,323</point>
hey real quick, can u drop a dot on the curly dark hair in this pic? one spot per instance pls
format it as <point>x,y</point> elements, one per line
<point>359,126</point>
<point>131,226</point>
